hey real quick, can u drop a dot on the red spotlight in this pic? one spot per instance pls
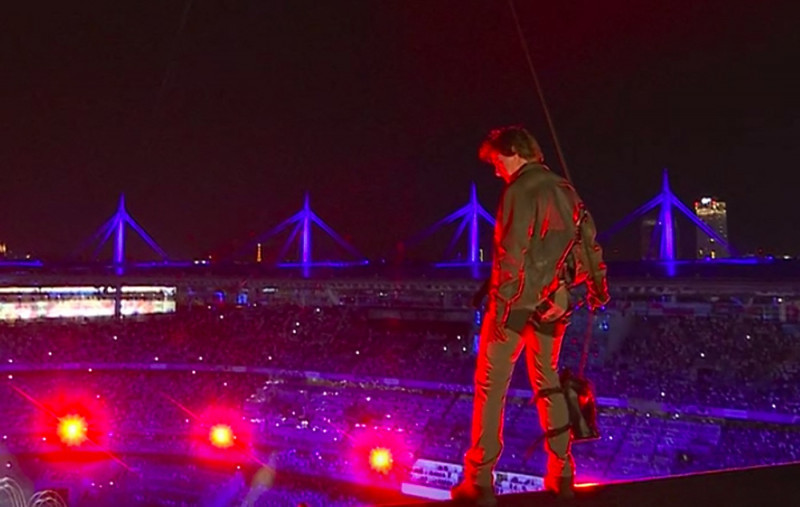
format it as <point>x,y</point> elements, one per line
<point>380,459</point>
<point>72,430</point>
<point>221,435</point>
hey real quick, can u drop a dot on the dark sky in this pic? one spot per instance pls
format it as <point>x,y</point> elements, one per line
<point>376,108</point>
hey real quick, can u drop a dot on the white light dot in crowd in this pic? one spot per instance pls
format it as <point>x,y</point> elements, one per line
<point>44,439</point>
<point>702,354</point>
<point>194,372</point>
<point>358,353</point>
<point>459,337</point>
<point>463,349</point>
<point>90,370</point>
<point>221,317</point>
<point>98,396</point>
<point>10,360</point>
<point>294,331</point>
<point>187,421</point>
<point>748,337</point>
<point>369,398</point>
<point>50,354</point>
<point>773,406</point>
<point>611,437</point>
<point>200,358</point>
<point>110,483</point>
<point>663,394</point>
<point>297,323</point>
<point>270,358</point>
<point>225,384</point>
<point>444,348</point>
<point>115,337</point>
<point>11,377</point>
<point>8,464</point>
<point>155,358</point>
<point>5,437</point>
<point>388,416</point>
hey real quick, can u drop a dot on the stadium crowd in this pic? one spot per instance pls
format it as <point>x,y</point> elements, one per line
<point>149,374</point>
<point>734,361</point>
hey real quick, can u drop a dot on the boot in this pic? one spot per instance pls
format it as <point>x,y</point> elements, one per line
<point>470,494</point>
<point>562,486</point>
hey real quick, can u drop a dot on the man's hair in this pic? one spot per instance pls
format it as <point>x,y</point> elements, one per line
<point>511,140</point>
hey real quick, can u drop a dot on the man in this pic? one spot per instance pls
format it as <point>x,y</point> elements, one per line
<point>536,261</point>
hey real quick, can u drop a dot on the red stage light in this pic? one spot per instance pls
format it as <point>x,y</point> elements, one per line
<point>221,436</point>
<point>72,430</point>
<point>380,459</point>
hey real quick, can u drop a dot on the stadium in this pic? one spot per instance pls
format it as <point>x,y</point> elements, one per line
<point>333,364</point>
<point>245,384</point>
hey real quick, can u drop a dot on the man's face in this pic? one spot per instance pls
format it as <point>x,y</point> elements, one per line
<point>505,166</point>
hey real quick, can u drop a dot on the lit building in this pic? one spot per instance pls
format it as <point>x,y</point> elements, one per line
<point>713,213</point>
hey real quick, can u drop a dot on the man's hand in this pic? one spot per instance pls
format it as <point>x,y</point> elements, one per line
<point>597,300</point>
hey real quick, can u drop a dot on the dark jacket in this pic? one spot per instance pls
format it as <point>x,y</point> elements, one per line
<point>536,224</point>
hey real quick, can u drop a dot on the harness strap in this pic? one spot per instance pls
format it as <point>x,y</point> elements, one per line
<point>547,434</point>
<point>546,393</point>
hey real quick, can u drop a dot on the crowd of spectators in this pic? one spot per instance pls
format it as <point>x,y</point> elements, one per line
<point>733,361</point>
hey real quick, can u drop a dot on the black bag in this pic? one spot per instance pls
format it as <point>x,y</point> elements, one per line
<point>581,405</point>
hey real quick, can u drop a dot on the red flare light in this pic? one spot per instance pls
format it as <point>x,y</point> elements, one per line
<point>72,430</point>
<point>221,435</point>
<point>380,459</point>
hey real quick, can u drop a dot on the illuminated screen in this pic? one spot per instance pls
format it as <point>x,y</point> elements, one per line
<point>53,309</point>
<point>145,306</point>
<point>71,302</point>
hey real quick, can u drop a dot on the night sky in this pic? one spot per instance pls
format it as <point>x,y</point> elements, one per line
<point>215,131</point>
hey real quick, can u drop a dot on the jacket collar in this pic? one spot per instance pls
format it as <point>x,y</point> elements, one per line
<point>530,166</point>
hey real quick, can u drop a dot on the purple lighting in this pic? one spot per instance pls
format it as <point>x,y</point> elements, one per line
<point>667,234</point>
<point>306,231</point>
<point>473,226</point>
<point>302,222</point>
<point>666,200</point>
<point>116,225</point>
<point>470,215</point>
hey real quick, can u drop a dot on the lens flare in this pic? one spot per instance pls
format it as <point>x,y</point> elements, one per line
<point>221,436</point>
<point>380,459</point>
<point>72,430</point>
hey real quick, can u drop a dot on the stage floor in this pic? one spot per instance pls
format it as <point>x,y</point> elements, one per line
<point>761,486</point>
